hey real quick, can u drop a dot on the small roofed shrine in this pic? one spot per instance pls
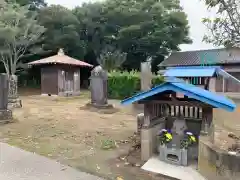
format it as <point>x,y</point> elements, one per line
<point>207,77</point>
<point>60,74</point>
<point>176,114</point>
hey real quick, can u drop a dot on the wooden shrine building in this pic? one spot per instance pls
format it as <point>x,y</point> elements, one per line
<point>60,74</point>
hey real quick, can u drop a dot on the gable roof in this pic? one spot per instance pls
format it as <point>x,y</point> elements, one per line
<point>60,58</point>
<point>210,56</point>
<point>189,90</point>
<point>199,71</point>
<point>191,71</point>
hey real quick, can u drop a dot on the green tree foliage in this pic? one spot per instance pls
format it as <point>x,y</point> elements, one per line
<point>32,4</point>
<point>19,31</point>
<point>139,28</point>
<point>62,30</point>
<point>225,28</point>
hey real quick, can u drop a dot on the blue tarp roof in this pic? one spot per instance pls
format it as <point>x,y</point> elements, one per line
<point>189,90</point>
<point>192,71</point>
<point>198,71</point>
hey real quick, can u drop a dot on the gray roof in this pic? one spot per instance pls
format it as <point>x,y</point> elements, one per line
<point>200,57</point>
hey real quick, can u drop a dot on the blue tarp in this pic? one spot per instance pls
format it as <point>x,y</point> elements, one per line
<point>191,71</point>
<point>189,90</point>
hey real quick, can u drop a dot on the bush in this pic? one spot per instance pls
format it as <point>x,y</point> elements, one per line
<point>125,84</point>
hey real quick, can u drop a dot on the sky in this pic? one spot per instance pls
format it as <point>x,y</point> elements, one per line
<point>195,10</point>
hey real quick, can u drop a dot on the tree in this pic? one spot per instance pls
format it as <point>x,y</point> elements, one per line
<point>111,58</point>
<point>33,4</point>
<point>139,28</point>
<point>225,28</point>
<point>61,31</point>
<point>19,31</point>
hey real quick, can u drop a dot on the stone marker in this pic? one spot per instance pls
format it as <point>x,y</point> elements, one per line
<point>98,87</point>
<point>13,98</point>
<point>146,76</point>
<point>5,113</point>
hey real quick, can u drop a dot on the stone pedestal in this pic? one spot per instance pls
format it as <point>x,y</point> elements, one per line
<point>100,106</point>
<point>173,156</point>
<point>14,103</point>
<point>5,116</point>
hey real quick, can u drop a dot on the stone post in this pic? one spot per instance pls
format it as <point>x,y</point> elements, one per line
<point>98,88</point>
<point>13,98</point>
<point>146,76</point>
<point>5,114</point>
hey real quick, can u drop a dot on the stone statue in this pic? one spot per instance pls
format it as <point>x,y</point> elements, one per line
<point>98,87</point>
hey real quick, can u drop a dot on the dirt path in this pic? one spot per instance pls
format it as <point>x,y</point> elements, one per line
<point>61,129</point>
<point>17,164</point>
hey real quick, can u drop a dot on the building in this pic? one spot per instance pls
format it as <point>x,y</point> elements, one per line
<point>60,74</point>
<point>227,59</point>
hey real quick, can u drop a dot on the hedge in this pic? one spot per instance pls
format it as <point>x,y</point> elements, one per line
<point>125,84</point>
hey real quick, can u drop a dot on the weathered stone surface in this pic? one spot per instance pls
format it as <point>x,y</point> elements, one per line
<point>100,106</point>
<point>5,116</point>
<point>140,121</point>
<point>3,91</point>
<point>216,164</point>
<point>98,87</point>
<point>13,98</point>
<point>14,103</point>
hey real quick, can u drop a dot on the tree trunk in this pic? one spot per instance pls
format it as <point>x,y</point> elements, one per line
<point>13,98</point>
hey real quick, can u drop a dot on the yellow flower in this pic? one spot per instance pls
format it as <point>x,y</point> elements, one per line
<point>169,136</point>
<point>193,138</point>
<point>119,178</point>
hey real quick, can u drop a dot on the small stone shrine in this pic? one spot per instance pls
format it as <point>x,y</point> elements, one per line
<point>98,87</point>
<point>172,152</point>
<point>5,113</point>
<point>182,109</point>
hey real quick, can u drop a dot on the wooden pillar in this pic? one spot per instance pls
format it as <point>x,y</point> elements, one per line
<point>223,85</point>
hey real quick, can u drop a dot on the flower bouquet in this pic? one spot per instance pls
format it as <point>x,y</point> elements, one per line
<point>188,140</point>
<point>164,136</point>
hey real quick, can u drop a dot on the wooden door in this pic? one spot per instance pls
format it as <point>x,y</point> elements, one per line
<point>69,81</point>
<point>49,81</point>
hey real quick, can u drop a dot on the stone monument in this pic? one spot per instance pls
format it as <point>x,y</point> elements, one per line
<point>5,113</point>
<point>98,88</point>
<point>172,152</point>
<point>13,98</point>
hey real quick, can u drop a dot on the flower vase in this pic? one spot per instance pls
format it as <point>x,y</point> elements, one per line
<point>184,154</point>
<point>161,151</point>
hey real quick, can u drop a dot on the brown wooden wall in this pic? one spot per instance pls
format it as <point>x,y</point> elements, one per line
<point>68,79</point>
<point>229,85</point>
<point>49,80</point>
<point>232,86</point>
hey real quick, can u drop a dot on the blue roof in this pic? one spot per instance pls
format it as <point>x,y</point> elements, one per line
<point>191,71</point>
<point>189,90</point>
